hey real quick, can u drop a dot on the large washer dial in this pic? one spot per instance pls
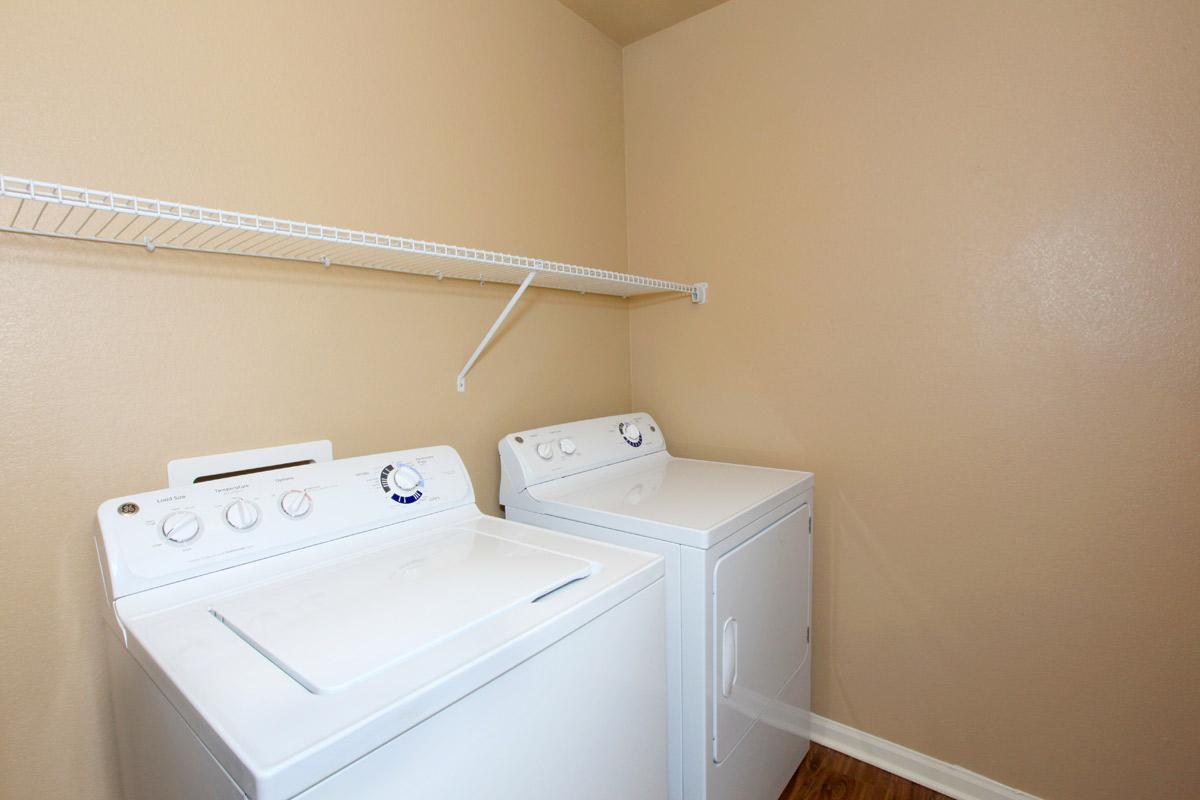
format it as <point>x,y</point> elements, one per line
<point>241,514</point>
<point>181,527</point>
<point>296,503</point>
<point>402,482</point>
<point>630,433</point>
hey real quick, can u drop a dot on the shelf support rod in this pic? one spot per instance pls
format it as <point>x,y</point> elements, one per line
<point>487,337</point>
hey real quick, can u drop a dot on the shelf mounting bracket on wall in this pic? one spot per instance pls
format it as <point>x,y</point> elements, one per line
<point>487,337</point>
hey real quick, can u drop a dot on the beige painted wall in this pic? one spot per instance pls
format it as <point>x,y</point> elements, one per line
<point>955,272</point>
<point>490,124</point>
<point>955,268</point>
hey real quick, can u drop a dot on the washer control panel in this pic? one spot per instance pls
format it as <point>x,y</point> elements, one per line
<point>155,538</point>
<point>560,450</point>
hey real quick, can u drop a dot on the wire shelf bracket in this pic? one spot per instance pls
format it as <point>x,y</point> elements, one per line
<point>487,337</point>
<point>69,212</point>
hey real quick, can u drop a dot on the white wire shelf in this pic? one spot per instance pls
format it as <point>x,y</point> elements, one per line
<point>51,209</point>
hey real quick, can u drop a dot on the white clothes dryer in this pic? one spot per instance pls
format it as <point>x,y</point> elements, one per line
<point>738,546</point>
<point>357,628</point>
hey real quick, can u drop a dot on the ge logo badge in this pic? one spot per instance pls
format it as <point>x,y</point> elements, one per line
<point>128,508</point>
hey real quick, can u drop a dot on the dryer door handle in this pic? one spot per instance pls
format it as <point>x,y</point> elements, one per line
<point>729,656</point>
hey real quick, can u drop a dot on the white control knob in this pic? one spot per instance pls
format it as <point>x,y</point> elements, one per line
<point>405,479</point>
<point>180,527</point>
<point>296,503</point>
<point>631,433</point>
<point>567,446</point>
<point>545,451</point>
<point>241,515</point>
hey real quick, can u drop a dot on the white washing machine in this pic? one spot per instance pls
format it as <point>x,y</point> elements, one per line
<point>738,547</point>
<point>358,629</point>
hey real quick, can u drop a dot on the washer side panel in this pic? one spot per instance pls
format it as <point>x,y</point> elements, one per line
<point>160,756</point>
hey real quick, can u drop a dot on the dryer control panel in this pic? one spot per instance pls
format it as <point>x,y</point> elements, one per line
<point>559,450</point>
<point>160,537</point>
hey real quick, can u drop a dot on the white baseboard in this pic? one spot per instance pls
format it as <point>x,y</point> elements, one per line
<point>948,779</point>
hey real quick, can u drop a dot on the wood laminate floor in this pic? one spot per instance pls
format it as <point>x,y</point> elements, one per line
<point>829,775</point>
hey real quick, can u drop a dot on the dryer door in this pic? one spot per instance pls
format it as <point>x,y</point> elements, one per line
<point>760,618</point>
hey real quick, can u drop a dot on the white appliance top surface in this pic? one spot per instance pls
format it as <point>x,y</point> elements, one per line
<point>335,626</point>
<point>300,618</point>
<point>690,502</point>
<point>308,676</point>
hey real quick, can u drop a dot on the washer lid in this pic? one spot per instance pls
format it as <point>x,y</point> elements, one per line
<point>276,738</point>
<point>682,500</point>
<point>336,626</point>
